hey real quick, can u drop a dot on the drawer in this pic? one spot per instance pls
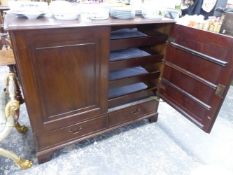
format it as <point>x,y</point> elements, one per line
<point>132,111</point>
<point>74,131</point>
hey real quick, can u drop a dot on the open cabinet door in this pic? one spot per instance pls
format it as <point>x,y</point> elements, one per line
<point>197,72</point>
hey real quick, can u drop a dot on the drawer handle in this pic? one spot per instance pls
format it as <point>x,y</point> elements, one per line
<point>136,111</point>
<point>75,130</point>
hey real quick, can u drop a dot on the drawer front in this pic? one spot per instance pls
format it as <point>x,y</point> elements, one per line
<point>132,112</point>
<point>75,131</point>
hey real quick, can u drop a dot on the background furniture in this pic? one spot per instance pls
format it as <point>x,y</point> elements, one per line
<point>10,101</point>
<point>9,114</point>
<point>7,59</point>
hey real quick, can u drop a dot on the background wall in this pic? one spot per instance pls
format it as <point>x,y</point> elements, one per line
<point>3,2</point>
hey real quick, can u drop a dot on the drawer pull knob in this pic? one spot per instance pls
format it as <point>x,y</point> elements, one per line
<point>75,130</point>
<point>136,111</point>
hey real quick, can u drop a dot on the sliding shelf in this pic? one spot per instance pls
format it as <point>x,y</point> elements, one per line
<point>133,71</point>
<point>129,93</point>
<point>131,58</point>
<point>126,54</point>
<point>128,38</point>
<point>127,33</point>
<point>149,78</point>
<point>123,90</point>
<point>125,73</point>
<point>130,76</point>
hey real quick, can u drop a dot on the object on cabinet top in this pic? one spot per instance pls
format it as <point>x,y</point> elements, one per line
<point>122,12</point>
<point>31,10</point>
<point>63,10</point>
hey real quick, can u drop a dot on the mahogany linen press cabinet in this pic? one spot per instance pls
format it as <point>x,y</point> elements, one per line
<point>81,79</point>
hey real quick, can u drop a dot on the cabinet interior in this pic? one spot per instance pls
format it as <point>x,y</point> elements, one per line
<point>135,61</point>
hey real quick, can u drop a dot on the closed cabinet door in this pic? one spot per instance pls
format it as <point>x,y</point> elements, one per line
<point>64,74</point>
<point>197,72</point>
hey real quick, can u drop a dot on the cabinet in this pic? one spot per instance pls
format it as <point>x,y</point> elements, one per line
<point>80,80</point>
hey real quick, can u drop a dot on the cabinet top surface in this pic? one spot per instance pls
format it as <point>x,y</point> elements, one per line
<point>14,23</point>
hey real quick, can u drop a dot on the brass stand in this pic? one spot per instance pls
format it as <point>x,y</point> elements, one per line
<point>22,163</point>
<point>11,116</point>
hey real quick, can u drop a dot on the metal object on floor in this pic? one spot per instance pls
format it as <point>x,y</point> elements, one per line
<point>9,114</point>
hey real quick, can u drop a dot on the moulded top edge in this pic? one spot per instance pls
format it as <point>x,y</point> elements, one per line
<point>13,23</point>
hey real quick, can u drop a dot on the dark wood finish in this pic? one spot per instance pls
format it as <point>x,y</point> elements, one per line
<point>209,72</point>
<point>126,43</point>
<point>64,74</point>
<point>125,90</point>
<point>127,73</point>
<point>211,44</point>
<point>44,156</point>
<point>150,77</point>
<point>198,71</point>
<point>153,119</point>
<point>18,92</point>
<point>64,77</point>
<point>195,88</point>
<point>133,62</point>
<point>199,54</point>
<point>73,131</point>
<point>131,112</point>
<point>113,102</point>
<point>65,68</point>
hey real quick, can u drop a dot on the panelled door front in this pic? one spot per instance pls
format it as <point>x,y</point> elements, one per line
<point>198,69</point>
<point>64,74</point>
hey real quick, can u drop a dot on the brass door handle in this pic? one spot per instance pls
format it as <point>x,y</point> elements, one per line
<point>136,111</point>
<point>75,130</point>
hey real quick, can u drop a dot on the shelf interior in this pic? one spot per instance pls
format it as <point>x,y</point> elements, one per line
<point>127,33</point>
<point>136,53</point>
<point>128,72</point>
<point>126,54</point>
<point>123,90</point>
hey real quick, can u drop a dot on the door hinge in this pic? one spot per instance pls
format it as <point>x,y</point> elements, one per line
<point>171,39</point>
<point>156,98</point>
<point>220,90</point>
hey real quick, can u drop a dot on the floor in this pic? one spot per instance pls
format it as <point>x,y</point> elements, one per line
<point>172,146</point>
